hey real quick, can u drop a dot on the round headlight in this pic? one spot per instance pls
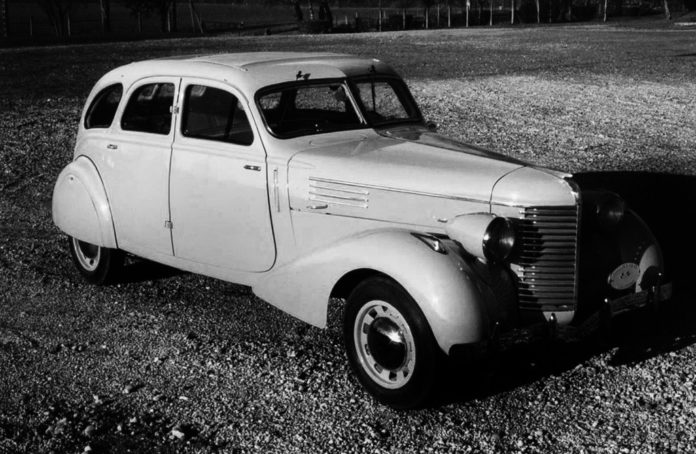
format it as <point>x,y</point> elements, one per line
<point>499,240</point>
<point>610,211</point>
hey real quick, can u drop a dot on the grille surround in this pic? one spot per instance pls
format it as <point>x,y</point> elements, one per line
<point>546,258</point>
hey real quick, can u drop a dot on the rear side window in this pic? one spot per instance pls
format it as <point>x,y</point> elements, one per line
<point>149,109</point>
<point>214,114</point>
<point>103,108</point>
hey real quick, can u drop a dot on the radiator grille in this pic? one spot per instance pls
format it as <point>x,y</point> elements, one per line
<point>547,258</point>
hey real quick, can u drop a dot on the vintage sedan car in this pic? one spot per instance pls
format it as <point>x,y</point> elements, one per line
<point>311,176</point>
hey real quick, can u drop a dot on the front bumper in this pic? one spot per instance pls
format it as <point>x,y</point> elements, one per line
<point>632,301</point>
<point>549,330</point>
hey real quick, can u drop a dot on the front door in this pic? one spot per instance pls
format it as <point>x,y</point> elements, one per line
<point>218,190</point>
<point>136,168</point>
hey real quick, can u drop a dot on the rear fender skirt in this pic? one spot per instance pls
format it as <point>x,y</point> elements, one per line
<point>80,205</point>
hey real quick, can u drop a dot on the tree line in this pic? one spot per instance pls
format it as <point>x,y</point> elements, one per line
<point>58,11</point>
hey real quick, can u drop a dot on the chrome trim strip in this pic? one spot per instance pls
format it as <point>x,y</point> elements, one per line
<point>318,184</point>
<point>276,191</point>
<point>320,198</point>
<point>340,197</point>
<point>405,191</point>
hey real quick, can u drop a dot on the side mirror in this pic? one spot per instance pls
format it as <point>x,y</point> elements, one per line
<point>431,125</point>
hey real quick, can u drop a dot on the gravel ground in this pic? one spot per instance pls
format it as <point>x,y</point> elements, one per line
<point>172,362</point>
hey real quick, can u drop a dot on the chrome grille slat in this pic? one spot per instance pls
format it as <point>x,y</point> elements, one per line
<point>547,258</point>
<point>547,287</point>
<point>547,283</point>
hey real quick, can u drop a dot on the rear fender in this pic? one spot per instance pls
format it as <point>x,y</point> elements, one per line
<point>80,205</point>
<point>443,285</point>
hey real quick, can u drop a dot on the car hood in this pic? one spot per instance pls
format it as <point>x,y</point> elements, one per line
<point>401,175</point>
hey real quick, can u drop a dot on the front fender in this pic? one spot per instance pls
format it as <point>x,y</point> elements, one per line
<point>443,285</point>
<point>80,205</point>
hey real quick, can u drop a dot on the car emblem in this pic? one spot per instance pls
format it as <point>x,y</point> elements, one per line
<point>624,276</point>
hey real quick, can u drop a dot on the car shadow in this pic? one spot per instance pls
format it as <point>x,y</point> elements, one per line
<point>633,339</point>
<point>140,270</point>
<point>667,203</point>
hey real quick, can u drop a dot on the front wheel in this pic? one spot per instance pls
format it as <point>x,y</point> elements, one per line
<point>390,345</point>
<point>99,265</point>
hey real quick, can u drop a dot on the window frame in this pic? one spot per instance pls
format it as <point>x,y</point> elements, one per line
<point>184,88</point>
<point>93,103</point>
<point>142,83</point>
<point>407,100</point>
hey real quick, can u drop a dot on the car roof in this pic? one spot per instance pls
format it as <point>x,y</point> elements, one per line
<point>252,70</point>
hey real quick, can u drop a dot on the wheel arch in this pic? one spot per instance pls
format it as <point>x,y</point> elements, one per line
<point>347,283</point>
<point>443,285</point>
<point>80,206</point>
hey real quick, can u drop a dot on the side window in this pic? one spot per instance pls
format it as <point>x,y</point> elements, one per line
<point>149,109</point>
<point>214,114</point>
<point>103,108</point>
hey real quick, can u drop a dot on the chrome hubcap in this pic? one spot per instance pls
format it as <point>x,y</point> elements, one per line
<point>87,254</point>
<point>384,343</point>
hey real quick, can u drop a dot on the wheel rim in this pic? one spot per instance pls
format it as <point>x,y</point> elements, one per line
<point>87,254</point>
<point>384,344</point>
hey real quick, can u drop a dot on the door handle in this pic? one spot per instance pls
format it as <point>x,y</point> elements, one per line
<point>112,146</point>
<point>318,206</point>
<point>250,167</point>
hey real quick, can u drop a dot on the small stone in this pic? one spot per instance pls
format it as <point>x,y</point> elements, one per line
<point>184,398</point>
<point>60,426</point>
<point>178,434</point>
<point>128,389</point>
<point>89,430</point>
<point>88,448</point>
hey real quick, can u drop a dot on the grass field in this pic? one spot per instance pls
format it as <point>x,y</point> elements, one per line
<point>164,350</point>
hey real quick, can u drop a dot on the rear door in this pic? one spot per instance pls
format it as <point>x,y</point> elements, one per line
<point>136,167</point>
<point>218,187</point>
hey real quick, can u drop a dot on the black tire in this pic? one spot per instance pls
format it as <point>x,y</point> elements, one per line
<point>98,265</point>
<point>390,346</point>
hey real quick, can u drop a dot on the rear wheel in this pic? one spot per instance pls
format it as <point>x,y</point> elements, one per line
<point>390,345</point>
<point>99,265</point>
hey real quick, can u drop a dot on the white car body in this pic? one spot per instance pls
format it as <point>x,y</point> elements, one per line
<point>303,218</point>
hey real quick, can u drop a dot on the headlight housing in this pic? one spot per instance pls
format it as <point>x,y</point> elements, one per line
<point>610,210</point>
<point>499,240</point>
<point>483,235</point>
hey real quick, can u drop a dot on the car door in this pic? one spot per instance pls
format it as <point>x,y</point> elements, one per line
<point>136,168</point>
<point>218,187</point>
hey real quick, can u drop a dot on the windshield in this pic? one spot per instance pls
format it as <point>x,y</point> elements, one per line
<point>298,110</point>
<point>305,108</point>
<point>385,101</point>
